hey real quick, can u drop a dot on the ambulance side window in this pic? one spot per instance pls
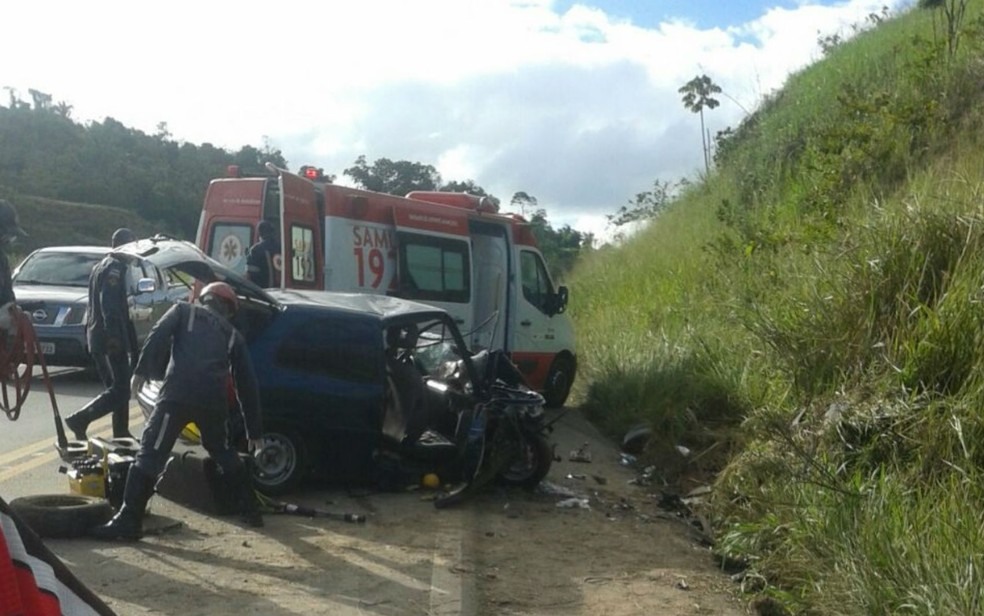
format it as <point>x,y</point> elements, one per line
<point>537,288</point>
<point>434,268</point>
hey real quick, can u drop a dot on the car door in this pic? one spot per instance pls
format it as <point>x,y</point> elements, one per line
<point>147,307</point>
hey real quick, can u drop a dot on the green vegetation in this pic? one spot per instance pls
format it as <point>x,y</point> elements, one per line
<point>47,154</point>
<point>52,168</point>
<point>808,321</point>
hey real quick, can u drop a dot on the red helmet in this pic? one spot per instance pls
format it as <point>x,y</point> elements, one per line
<point>223,292</point>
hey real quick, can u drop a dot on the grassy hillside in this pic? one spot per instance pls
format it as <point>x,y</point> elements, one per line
<point>809,321</point>
<point>50,222</point>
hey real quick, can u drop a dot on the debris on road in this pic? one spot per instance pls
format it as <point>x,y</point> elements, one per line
<point>551,489</point>
<point>626,459</point>
<point>581,454</point>
<point>574,503</point>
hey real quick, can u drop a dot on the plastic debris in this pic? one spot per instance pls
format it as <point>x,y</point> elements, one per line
<point>576,476</point>
<point>552,489</point>
<point>581,454</point>
<point>626,459</point>
<point>574,503</point>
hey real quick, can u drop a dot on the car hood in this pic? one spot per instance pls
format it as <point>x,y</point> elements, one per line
<point>184,257</point>
<point>50,293</point>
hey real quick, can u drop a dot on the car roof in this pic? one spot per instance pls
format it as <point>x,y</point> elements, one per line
<point>382,307</point>
<point>94,250</point>
<point>171,254</point>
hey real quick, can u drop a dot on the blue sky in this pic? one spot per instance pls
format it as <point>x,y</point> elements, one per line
<point>703,13</point>
<point>574,103</point>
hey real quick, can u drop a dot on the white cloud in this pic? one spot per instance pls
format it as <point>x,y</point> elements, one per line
<point>575,108</point>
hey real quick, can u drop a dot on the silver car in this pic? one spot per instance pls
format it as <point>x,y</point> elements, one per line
<point>52,286</point>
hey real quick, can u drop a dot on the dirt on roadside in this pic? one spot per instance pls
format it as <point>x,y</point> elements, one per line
<point>590,541</point>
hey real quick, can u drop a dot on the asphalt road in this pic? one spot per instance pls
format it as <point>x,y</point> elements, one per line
<point>504,552</point>
<point>28,459</point>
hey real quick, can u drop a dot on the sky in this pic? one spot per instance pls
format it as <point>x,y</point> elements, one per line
<point>574,102</point>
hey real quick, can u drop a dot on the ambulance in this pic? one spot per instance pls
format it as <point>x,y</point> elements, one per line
<point>452,250</point>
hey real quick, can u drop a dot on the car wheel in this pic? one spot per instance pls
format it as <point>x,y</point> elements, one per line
<point>559,381</point>
<point>280,466</point>
<point>62,515</point>
<point>532,467</point>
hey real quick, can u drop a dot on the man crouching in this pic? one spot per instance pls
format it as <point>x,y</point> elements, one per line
<point>193,349</point>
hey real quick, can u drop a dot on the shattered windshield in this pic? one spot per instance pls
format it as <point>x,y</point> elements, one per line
<point>435,346</point>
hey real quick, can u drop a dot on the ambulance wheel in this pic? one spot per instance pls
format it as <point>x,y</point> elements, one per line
<point>280,466</point>
<point>559,381</point>
<point>62,515</point>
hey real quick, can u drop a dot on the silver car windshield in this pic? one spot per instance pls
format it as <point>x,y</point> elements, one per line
<point>57,268</point>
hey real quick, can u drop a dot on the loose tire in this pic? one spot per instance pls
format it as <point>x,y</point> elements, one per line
<point>559,381</point>
<point>529,471</point>
<point>62,515</point>
<point>282,463</point>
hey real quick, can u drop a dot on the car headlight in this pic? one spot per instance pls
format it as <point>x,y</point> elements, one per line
<point>76,314</point>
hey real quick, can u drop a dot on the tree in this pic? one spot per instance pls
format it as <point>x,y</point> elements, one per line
<point>560,247</point>
<point>645,205</point>
<point>253,160</point>
<point>64,110</point>
<point>696,96</point>
<point>468,186</point>
<point>953,15</point>
<point>522,201</point>
<point>42,101</point>
<point>393,177</point>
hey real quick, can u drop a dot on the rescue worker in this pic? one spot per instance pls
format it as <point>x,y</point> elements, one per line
<point>192,349</point>
<point>262,257</point>
<point>10,230</point>
<point>111,339</point>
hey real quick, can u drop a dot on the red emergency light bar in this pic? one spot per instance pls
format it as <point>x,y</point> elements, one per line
<point>311,173</point>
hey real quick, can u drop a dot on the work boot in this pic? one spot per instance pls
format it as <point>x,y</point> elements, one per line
<point>121,423</point>
<point>246,499</point>
<point>127,524</point>
<point>78,423</point>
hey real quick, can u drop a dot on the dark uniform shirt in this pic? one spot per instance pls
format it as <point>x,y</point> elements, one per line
<point>193,350</point>
<point>6,286</point>
<point>107,322</point>
<point>260,267</point>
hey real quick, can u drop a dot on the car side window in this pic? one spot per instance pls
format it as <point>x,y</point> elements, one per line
<point>338,348</point>
<point>134,273</point>
<point>537,288</point>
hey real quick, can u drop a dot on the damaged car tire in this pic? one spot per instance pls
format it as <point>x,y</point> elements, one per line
<point>62,515</point>
<point>529,471</point>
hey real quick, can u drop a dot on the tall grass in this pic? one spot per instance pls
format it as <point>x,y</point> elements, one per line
<point>813,315</point>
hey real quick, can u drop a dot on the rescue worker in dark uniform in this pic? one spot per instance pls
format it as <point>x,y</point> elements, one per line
<point>10,230</point>
<point>262,257</point>
<point>111,340</point>
<point>193,348</point>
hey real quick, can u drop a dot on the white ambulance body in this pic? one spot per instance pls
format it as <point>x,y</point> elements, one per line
<point>451,250</point>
